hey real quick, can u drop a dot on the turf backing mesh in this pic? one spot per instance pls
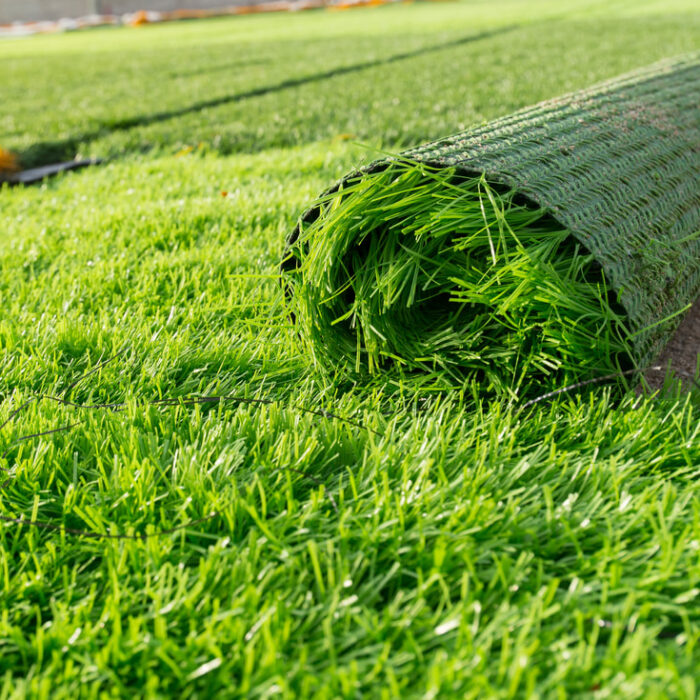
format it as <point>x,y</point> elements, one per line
<point>616,167</point>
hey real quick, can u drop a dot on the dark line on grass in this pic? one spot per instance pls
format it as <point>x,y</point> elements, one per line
<point>38,397</point>
<point>160,402</point>
<point>31,436</point>
<point>96,368</point>
<point>601,380</point>
<point>18,410</point>
<point>184,401</point>
<point>66,148</point>
<point>127,124</point>
<point>181,401</point>
<point>120,406</point>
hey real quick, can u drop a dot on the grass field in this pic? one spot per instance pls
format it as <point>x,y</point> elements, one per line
<point>305,536</point>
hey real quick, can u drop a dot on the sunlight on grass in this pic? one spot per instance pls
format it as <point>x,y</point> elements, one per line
<point>325,538</point>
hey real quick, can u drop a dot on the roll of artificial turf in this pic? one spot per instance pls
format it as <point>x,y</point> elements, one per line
<point>554,245</point>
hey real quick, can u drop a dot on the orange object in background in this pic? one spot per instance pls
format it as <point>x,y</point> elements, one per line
<point>139,19</point>
<point>8,162</point>
<point>355,4</point>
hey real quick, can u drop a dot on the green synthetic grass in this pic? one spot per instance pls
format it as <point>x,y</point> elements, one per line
<point>433,546</point>
<point>110,91</point>
<point>420,268</point>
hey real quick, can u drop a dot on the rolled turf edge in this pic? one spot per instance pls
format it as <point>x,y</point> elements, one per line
<point>606,178</point>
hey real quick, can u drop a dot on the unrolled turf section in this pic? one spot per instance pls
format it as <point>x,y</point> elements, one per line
<point>369,539</point>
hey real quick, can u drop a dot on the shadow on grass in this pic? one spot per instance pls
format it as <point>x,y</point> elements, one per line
<point>51,151</point>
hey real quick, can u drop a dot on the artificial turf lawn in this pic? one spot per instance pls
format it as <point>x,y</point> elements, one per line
<point>449,546</point>
<point>236,85</point>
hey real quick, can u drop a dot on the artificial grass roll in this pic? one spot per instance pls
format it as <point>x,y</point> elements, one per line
<point>555,245</point>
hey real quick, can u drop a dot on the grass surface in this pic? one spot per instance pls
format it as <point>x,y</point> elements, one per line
<point>396,74</point>
<point>409,544</point>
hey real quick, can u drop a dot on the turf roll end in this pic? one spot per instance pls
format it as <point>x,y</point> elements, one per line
<point>429,270</point>
<point>552,246</point>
